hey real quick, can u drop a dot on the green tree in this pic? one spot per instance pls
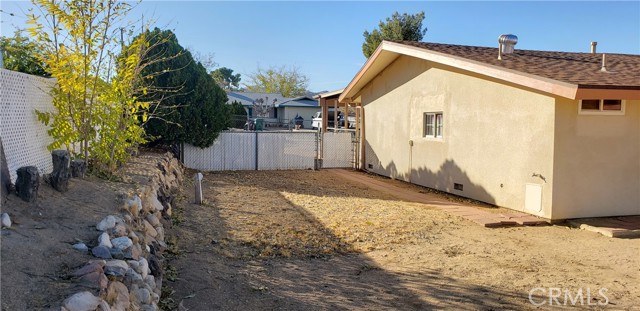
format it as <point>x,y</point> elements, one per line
<point>21,54</point>
<point>193,107</point>
<point>95,109</point>
<point>406,27</point>
<point>289,82</point>
<point>238,114</point>
<point>225,78</point>
<point>237,109</point>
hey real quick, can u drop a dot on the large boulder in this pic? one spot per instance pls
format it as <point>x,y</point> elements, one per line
<point>61,170</point>
<point>27,183</point>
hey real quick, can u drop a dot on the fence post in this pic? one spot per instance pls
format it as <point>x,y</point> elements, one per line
<point>256,148</point>
<point>198,185</point>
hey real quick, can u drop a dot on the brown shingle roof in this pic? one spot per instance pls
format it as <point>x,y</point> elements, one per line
<point>583,69</point>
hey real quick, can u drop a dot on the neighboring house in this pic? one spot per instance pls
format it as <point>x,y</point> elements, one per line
<point>554,134</point>
<point>247,99</point>
<point>303,106</point>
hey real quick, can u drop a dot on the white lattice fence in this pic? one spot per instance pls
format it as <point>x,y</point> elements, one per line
<point>24,138</point>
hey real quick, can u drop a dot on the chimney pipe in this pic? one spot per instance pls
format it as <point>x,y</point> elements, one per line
<point>593,47</point>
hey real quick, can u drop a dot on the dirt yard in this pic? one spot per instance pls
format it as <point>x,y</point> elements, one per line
<point>37,257</point>
<point>306,240</point>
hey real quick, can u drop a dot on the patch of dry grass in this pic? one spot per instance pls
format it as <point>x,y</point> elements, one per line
<point>310,214</point>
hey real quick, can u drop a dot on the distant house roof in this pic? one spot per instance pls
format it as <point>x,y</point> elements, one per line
<point>302,101</point>
<point>566,74</point>
<point>329,94</point>
<point>247,98</point>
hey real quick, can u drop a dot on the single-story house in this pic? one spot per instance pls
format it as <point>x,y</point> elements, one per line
<point>248,99</point>
<point>553,134</point>
<point>303,106</point>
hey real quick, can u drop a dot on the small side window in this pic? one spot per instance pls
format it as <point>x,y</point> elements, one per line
<point>433,124</point>
<point>601,106</point>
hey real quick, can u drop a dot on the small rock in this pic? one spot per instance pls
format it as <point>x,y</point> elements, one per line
<point>119,230</point>
<point>155,203</point>
<point>6,220</point>
<point>133,252</point>
<point>118,296</point>
<point>155,298</point>
<point>93,266</point>
<point>155,267</point>
<point>134,264</point>
<point>103,306</point>
<point>104,240</point>
<point>116,268</point>
<point>153,220</point>
<point>117,253</point>
<point>127,218</point>
<point>144,267</point>
<point>122,243</point>
<point>150,307</point>
<point>158,247</point>
<point>81,247</point>
<point>101,252</point>
<point>150,281</point>
<point>106,223</point>
<point>95,279</point>
<point>133,277</point>
<point>149,229</point>
<point>158,286</point>
<point>82,301</point>
<point>134,237</point>
<point>143,295</point>
<point>135,205</point>
<point>160,231</point>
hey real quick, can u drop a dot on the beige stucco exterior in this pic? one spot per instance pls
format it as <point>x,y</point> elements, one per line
<point>597,162</point>
<point>289,113</point>
<point>499,138</point>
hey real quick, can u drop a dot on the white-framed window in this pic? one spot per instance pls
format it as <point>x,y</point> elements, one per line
<point>601,106</point>
<point>433,124</point>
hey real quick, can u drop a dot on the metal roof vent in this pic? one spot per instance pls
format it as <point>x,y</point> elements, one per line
<point>507,44</point>
<point>604,62</point>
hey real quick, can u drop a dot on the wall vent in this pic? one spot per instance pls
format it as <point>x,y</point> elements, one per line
<point>457,186</point>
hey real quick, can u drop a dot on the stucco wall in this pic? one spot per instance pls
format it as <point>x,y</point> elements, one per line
<point>496,136</point>
<point>597,162</point>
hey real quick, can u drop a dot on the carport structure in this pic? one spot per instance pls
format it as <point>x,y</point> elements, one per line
<point>330,100</point>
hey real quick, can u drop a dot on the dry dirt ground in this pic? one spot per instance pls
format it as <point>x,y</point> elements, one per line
<point>306,240</point>
<point>36,254</point>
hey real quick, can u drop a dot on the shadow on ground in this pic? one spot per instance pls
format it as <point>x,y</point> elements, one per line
<point>224,267</point>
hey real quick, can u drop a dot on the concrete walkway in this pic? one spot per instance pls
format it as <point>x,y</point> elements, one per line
<point>613,227</point>
<point>475,214</point>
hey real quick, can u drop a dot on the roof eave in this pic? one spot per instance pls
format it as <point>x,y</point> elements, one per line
<point>547,85</point>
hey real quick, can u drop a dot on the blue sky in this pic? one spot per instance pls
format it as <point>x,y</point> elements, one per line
<point>323,39</point>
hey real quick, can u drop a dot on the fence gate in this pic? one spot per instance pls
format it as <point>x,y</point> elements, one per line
<point>338,149</point>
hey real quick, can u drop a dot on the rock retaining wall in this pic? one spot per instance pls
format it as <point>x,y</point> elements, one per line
<point>127,272</point>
